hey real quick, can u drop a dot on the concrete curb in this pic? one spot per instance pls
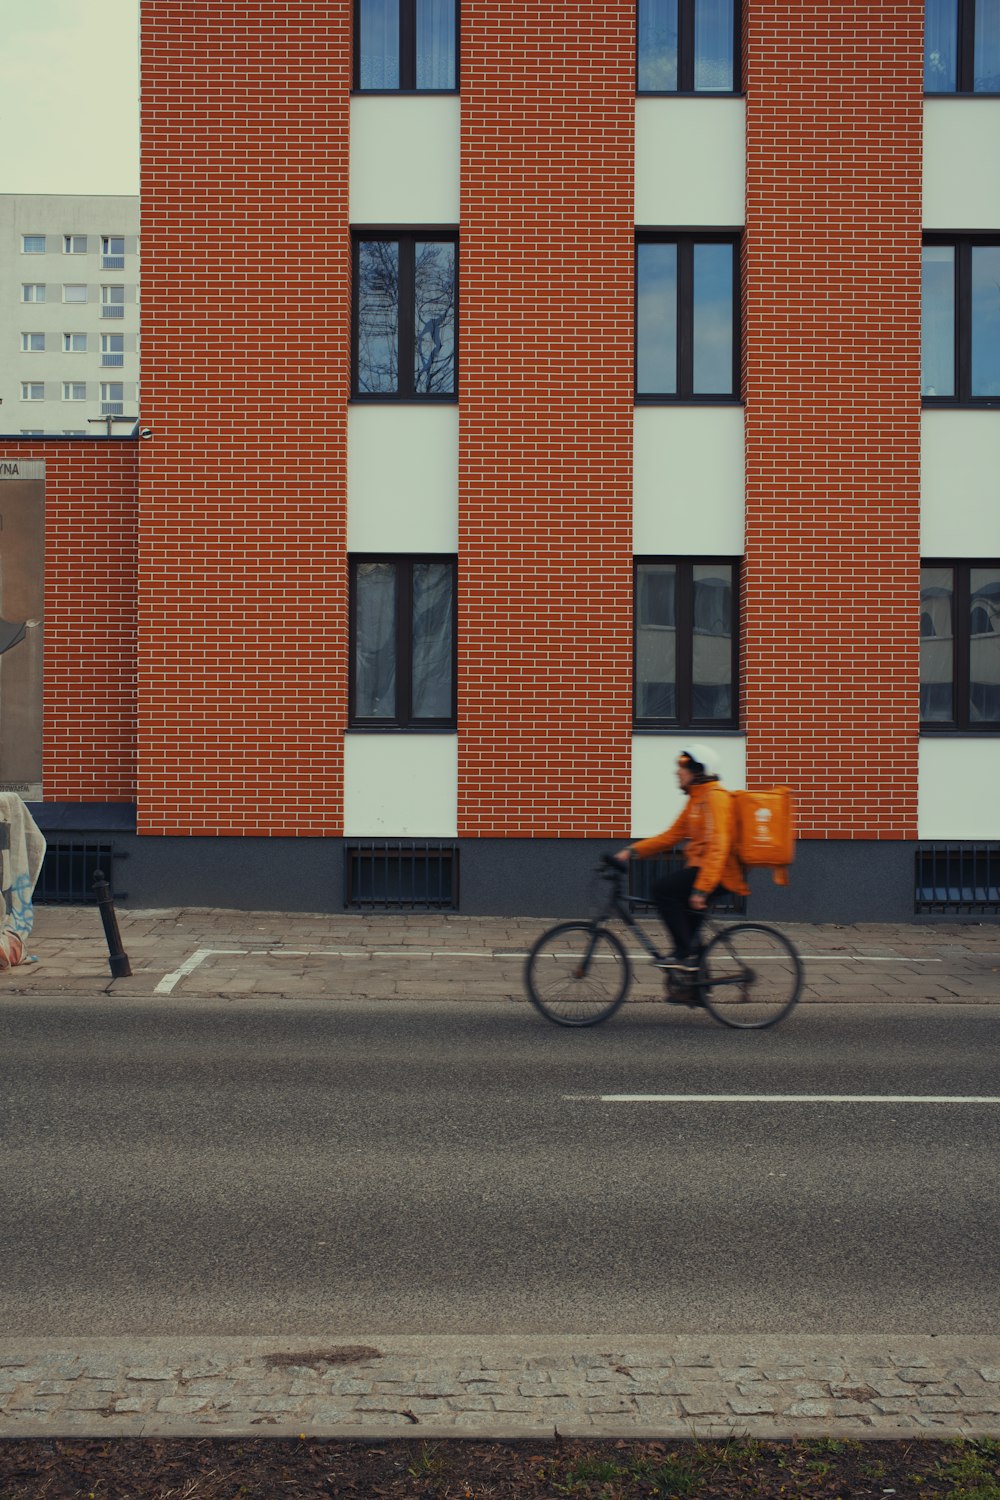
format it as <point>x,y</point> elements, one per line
<point>368,1388</point>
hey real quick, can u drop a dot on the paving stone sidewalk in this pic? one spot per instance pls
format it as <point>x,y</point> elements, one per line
<point>874,1387</point>
<point>222,954</point>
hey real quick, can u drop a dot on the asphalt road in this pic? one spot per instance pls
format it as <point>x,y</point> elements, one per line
<point>170,1168</point>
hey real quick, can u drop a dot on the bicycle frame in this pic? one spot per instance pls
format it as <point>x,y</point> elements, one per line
<point>622,906</point>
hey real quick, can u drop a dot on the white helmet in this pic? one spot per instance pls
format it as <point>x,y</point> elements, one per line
<point>704,760</point>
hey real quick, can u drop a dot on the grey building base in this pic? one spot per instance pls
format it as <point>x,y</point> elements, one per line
<point>835,881</point>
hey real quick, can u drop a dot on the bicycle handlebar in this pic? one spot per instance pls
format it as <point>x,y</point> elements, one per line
<point>611,862</point>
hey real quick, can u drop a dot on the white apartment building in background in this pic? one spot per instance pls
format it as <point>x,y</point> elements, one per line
<point>69,314</point>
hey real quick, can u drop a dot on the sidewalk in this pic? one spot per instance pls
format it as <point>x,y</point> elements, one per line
<point>208,953</point>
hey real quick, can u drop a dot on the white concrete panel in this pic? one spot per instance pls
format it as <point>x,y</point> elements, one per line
<point>961,163</point>
<point>401,786</point>
<point>956,787</point>
<point>402,478</point>
<point>656,797</point>
<point>960,483</point>
<point>688,480</point>
<point>690,162</point>
<point>405,154</point>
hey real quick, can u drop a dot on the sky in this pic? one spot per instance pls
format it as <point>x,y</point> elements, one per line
<point>69,101</point>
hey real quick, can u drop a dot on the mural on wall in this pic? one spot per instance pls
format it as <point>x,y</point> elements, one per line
<point>22,598</point>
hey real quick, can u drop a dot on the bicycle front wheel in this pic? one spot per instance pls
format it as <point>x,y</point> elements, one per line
<point>750,975</point>
<point>577,974</point>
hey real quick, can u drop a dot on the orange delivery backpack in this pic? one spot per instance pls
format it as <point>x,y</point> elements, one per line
<point>765,830</point>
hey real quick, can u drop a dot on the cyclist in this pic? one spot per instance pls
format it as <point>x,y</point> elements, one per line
<point>706,828</point>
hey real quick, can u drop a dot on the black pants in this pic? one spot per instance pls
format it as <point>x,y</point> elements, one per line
<point>671,897</point>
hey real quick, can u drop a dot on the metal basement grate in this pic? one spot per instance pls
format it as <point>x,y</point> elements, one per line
<point>644,873</point>
<point>67,874</point>
<point>401,876</point>
<point>957,880</point>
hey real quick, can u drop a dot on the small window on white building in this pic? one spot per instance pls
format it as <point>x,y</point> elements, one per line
<point>112,302</point>
<point>112,398</point>
<point>32,390</point>
<point>74,390</point>
<point>75,292</point>
<point>112,252</point>
<point>32,343</point>
<point>74,343</point>
<point>112,350</point>
<point>32,292</point>
<point>32,244</point>
<point>74,244</point>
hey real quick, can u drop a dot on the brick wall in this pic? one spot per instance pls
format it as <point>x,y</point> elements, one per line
<point>245,277</point>
<point>546,418</point>
<point>832,388</point>
<point>89,654</point>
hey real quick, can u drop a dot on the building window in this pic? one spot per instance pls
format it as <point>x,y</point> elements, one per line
<point>686,661</point>
<point>687,317</point>
<point>687,47</point>
<point>74,244</point>
<point>961,47</point>
<point>961,318</point>
<point>112,398</point>
<point>77,292</point>
<point>402,624</point>
<point>74,390</point>
<point>112,302</point>
<point>113,349</point>
<point>32,292</point>
<point>32,390</point>
<point>960,645</point>
<point>74,343</point>
<point>32,244</point>
<point>112,252</point>
<point>32,343</point>
<point>405,45</point>
<point>404,316</point>
<point>32,431</point>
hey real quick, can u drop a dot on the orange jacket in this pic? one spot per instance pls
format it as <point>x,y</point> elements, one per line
<point>708,825</point>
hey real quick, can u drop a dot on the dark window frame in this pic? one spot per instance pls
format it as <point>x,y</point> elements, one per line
<point>962,241</point>
<point>403,720</point>
<point>407,240</point>
<point>407,52</point>
<point>961,721</point>
<point>965,61</point>
<point>685,57</point>
<point>686,240</point>
<point>684,628</point>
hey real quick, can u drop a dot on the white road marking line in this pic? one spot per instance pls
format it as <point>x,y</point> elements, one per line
<point>199,956</point>
<point>787,1098</point>
<point>169,981</point>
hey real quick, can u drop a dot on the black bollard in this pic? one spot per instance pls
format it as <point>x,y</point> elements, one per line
<point>117,957</point>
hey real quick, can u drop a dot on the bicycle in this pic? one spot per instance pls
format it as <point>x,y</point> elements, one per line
<point>578,973</point>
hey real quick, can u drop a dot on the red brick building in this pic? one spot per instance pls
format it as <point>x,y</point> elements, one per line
<point>532,390</point>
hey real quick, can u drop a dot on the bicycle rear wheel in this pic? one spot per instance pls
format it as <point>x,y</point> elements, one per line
<point>577,974</point>
<point>750,976</point>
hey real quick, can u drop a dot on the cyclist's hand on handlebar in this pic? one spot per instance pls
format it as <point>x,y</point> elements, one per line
<point>617,861</point>
<point>698,901</point>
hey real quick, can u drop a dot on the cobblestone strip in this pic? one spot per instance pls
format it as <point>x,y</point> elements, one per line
<point>505,1387</point>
